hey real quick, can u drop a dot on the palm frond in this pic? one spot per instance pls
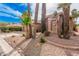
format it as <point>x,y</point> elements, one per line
<point>62,5</point>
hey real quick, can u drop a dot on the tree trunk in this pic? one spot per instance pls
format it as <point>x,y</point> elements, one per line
<point>71,26</point>
<point>66,21</point>
<point>26,30</point>
<point>51,25</point>
<point>46,23</point>
<point>30,26</point>
<point>35,19</point>
<point>36,12</point>
<point>43,24</point>
<point>60,25</point>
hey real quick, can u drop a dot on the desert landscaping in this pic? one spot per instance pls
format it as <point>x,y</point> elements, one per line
<point>24,33</point>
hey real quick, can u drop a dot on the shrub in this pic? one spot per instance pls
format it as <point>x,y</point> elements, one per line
<point>7,31</point>
<point>4,29</point>
<point>15,28</point>
<point>46,33</point>
<point>13,36</point>
<point>77,25</point>
<point>23,35</point>
<point>42,40</point>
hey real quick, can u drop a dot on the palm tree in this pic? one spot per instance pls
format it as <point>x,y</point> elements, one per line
<point>35,19</point>
<point>43,25</point>
<point>30,26</point>
<point>75,15</point>
<point>26,20</point>
<point>66,11</point>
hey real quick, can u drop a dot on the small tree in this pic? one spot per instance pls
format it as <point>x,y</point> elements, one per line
<point>26,20</point>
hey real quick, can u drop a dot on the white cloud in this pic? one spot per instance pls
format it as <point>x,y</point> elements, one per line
<point>7,15</point>
<point>15,12</point>
<point>23,4</point>
<point>9,10</point>
<point>51,7</point>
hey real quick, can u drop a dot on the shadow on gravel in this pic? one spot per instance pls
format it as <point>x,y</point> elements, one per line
<point>17,46</point>
<point>33,48</point>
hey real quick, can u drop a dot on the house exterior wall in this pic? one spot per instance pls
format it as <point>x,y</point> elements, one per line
<point>52,24</point>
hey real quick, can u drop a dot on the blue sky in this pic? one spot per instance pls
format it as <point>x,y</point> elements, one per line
<point>10,12</point>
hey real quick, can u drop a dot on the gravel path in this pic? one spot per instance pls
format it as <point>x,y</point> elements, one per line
<point>33,48</point>
<point>7,48</point>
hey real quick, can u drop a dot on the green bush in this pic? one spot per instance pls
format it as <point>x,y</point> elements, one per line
<point>42,40</point>
<point>15,28</point>
<point>23,35</point>
<point>4,29</point>
<point>77,24</point>
<point>7,31</point>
